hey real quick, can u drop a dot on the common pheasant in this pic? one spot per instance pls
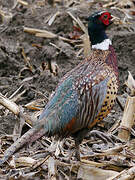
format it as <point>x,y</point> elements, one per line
<point>84,96</point>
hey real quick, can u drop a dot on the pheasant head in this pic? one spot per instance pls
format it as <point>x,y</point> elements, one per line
<point>97,24</point>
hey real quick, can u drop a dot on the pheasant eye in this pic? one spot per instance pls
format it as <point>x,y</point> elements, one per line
<point>105,17</point>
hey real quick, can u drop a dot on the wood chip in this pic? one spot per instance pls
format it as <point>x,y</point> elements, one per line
<point>128,119</point>
<point>52,19</point>
<point>24,3</point>
<point>87,172</point>
<point>9,104</point>
<point>22,162</point>
<point>51,169</point>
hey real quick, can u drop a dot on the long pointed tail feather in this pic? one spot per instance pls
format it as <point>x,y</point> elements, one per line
<point>29,136</point>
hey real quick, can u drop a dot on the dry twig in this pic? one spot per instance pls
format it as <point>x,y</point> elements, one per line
<point>129,111</point>
<point>124,175</point>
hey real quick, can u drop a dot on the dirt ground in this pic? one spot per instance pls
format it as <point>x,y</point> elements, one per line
<point>36,83</point>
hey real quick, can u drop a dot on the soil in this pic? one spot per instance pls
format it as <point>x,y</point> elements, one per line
<point>14,72</point>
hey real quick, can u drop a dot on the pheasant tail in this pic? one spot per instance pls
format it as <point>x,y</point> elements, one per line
<point>29,136</point>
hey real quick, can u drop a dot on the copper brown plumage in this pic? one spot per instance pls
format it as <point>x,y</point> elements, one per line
<point>84,96</point>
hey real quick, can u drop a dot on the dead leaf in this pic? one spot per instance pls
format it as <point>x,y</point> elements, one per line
<point>86,172</point>
<point>131,83</point>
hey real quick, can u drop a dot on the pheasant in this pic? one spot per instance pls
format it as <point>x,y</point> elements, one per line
<point>84,96</point>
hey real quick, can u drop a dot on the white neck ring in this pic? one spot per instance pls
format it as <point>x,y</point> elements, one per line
<point>104,45</point>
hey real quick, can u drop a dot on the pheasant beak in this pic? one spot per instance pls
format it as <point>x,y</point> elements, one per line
<point>112,19</point>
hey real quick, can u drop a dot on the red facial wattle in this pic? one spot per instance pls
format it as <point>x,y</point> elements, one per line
<point>105,18</point>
